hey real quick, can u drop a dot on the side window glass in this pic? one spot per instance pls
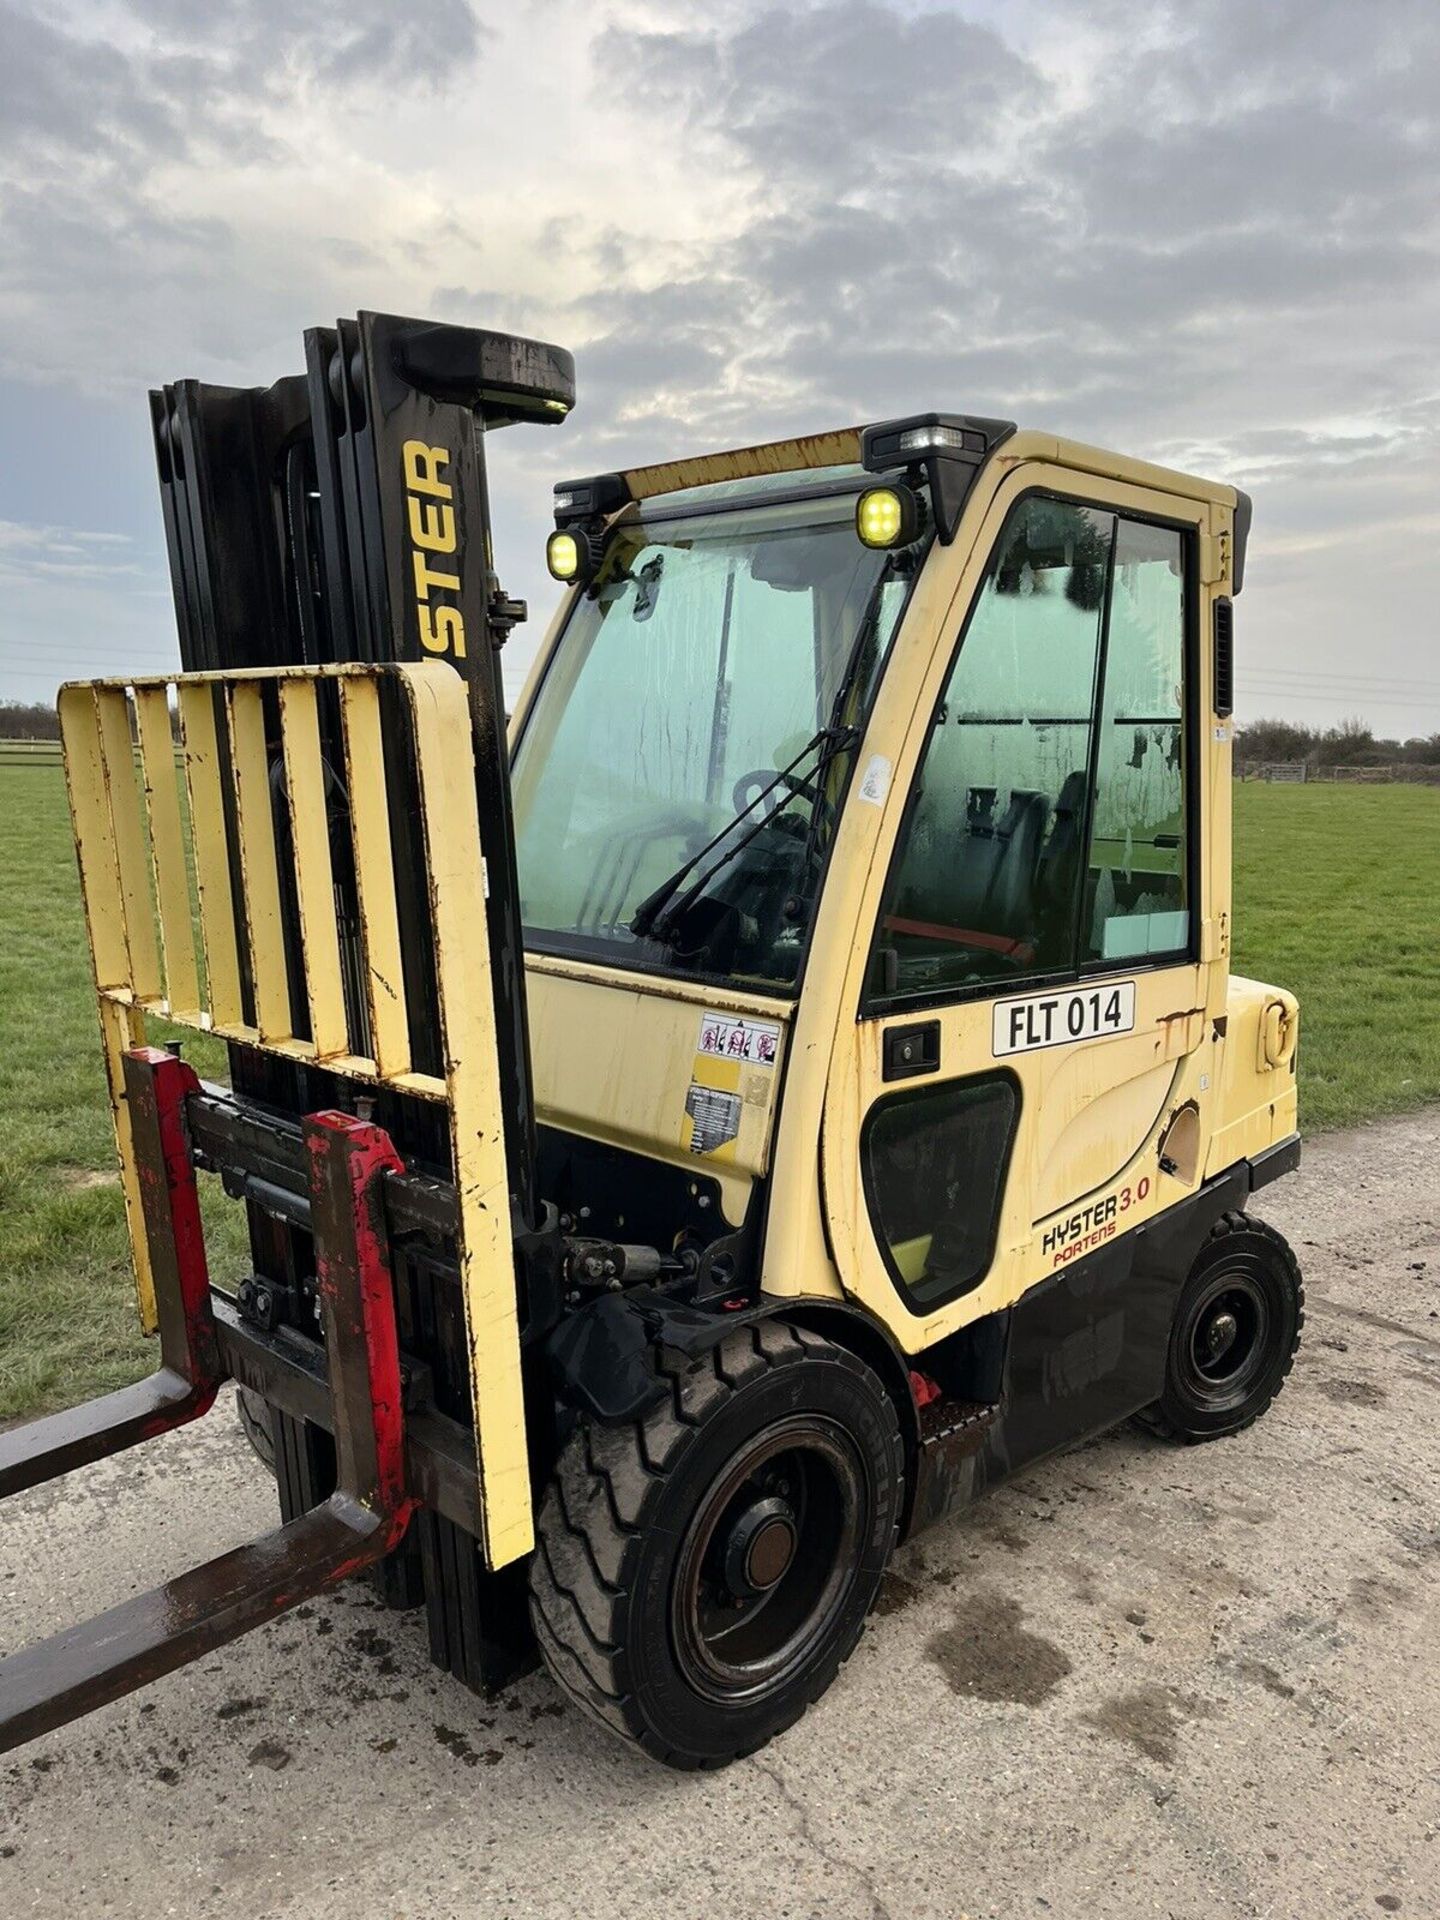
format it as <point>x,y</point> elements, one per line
<point>989,882</point>
<point>1138,893</point>
<point>935,1162</point>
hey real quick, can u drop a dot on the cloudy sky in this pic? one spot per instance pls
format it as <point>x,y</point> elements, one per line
<point>1207,233</point>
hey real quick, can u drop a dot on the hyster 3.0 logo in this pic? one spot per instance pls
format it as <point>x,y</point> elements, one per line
<point>428,506</point>
<point>1083,1231</point>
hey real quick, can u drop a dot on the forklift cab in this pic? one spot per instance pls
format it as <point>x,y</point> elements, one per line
<point>873,831</point>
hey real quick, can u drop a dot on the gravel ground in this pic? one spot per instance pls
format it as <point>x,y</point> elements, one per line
<point>1139,1681</point>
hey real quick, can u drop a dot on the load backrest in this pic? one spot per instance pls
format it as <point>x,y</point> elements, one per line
<point>206,807</point>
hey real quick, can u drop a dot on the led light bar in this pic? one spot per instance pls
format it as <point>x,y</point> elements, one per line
<point>949,449</point>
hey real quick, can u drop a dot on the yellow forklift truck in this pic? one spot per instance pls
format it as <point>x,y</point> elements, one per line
<point>798,1084</point>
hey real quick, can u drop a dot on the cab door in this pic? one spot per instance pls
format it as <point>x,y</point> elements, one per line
<point>1033,1013</point>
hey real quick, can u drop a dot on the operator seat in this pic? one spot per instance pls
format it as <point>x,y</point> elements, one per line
<point>1061,858</point>
<point>1010,903</point>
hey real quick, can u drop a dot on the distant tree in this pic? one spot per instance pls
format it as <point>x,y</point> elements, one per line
<point>1351,744</point>
<point>28,720</point>
<point>1261,742</point>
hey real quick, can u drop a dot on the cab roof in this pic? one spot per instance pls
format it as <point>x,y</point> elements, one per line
<point>842,448</point>
<point>958,446</point>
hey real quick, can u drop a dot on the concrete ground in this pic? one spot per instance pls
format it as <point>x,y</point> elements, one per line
<point>1140,1681</point>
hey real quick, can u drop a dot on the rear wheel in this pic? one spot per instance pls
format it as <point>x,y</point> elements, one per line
<point>1235,1334</point>
<point>701,1575</point>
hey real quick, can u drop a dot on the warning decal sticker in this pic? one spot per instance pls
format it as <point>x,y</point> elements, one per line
<point>732,1086</point>
<point>714,1117</point>
<point>725,1036</point>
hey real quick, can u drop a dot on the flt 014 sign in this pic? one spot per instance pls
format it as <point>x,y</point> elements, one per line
<point>1053,1019</point>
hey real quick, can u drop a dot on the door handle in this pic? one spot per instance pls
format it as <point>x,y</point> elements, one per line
<point>906,1051</point>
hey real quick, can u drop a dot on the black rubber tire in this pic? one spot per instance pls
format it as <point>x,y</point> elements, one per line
<point>255,1425</point>
<point>1245,1258</point>
<point>622,1512</point>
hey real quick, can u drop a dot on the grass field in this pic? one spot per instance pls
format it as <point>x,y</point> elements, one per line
<point>67,1308</point>
<point>1337,896</point>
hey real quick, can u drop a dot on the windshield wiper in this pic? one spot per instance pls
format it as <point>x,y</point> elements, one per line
<point>661,906</point>
<point>650,908</point>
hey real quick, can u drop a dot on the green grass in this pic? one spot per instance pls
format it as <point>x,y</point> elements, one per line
<point>67,1305</point>
<point>1337,897</point>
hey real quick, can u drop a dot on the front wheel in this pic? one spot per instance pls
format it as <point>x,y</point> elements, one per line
<point>700,1575</point>
<point>254,1417</point>
<point>1235,1333</point>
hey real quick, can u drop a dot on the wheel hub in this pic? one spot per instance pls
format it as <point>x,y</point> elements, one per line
<point>760,1547</point>
<point>1219,1335</point>
<point>1227,1336</point>
<point>769,1558</point>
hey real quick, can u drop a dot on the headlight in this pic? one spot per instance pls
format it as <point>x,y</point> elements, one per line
<point>565,556</point>
<point>887,516</point>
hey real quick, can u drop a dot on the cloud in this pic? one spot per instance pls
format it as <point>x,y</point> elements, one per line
<point>857,95</point>
<point>28,551</point>
<point>1206,232</point>
<point>925,192</point>
<point>159,80</point>
<point>331,42</point>
<point>141,148</point>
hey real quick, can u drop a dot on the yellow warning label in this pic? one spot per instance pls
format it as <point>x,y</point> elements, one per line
<point>732,1082</point>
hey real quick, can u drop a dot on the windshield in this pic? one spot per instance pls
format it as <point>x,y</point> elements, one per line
<point>687,749</point>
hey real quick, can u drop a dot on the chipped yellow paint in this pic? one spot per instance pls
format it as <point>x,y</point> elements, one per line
<point>205,782</point>
<point>117,757</point>
<point>375,877</point>
<point>167,850</point>
<point>121,1024</point>
<point>747,463</point>
<point>314,881</point>
<point>260,910</point>
<point>441,716</point>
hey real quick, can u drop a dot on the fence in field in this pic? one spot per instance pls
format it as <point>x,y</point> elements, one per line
<point>1401,770</point>
<point>1392,773</point>
<point>1283,770</point>
<point>29,753</point>
<point>40,753</point>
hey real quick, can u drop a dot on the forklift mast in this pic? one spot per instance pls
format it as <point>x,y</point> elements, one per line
<point>315,901</point>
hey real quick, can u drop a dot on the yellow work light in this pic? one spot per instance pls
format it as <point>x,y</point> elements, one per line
<point>564,556</point>
<point>887,516</point>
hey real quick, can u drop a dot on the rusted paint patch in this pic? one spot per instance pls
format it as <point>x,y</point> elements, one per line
<point>839,448</point>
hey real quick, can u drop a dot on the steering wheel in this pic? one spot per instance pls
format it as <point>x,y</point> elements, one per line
<point>750,786</point>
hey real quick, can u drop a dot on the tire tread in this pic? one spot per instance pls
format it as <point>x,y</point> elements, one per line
<point>1160,1425</point>
<point>592,1519</point>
